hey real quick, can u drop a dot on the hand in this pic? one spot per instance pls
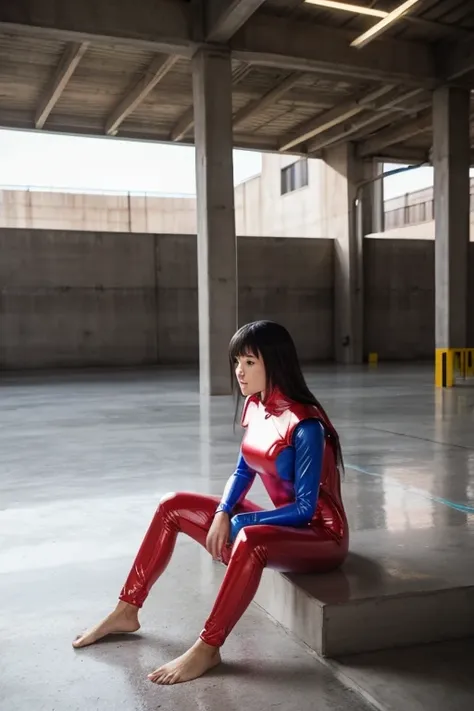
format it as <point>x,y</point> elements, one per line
<point>218,534</point>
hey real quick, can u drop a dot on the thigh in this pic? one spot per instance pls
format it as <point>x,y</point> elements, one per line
<point>297,550</point>
<point>194,513</point>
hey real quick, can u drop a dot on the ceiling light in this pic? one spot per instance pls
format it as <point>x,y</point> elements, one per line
<point>348,7</point>
<point>382,26</point>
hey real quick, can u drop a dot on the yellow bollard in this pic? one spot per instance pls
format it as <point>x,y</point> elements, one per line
<point>373,359</point>
<point>444,367</point>
<point>469,362</point>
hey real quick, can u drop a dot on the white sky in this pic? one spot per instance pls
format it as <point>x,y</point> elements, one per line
<point>59,161</point>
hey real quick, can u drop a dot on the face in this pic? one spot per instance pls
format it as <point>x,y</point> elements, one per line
<point>250,374</point>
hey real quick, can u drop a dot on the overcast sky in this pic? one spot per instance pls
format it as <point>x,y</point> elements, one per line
<point>47,160</point>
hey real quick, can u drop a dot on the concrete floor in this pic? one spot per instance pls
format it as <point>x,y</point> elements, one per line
<point>85,458</point>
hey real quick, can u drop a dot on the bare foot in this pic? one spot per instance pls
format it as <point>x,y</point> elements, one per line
<point>193,663</point>
<point>122,620</point>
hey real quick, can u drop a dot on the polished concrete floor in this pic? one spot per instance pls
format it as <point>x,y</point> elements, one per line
<point>85,458</point>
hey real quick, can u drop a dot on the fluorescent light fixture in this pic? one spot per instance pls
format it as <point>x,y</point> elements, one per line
<point>348,7</point>
<point>383,25</point>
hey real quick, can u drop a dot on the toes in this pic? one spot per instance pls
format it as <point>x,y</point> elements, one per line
<point>155,676</point>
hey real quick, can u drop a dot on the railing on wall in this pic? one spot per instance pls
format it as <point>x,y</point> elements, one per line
<point>413,214</point>
<point>409,215</point>
<point>93,191</point>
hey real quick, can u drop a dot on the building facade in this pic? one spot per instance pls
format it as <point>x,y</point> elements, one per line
<point>288,199</point>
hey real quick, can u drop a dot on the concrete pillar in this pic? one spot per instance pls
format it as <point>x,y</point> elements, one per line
<point>217,253</point>
<point>347,223</point>
<point>378,217</point>
<point>451,159</point>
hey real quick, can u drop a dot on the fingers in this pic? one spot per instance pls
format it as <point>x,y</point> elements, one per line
<point>216,540</point>
<point>210,543</point>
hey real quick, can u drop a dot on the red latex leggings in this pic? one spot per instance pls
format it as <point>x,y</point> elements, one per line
<point>280,547</point>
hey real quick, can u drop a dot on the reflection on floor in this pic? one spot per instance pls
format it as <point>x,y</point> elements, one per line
<point>85,458</point>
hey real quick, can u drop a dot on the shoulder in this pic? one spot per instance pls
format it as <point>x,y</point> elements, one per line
<point>305,421</point>
<point>309,430</point>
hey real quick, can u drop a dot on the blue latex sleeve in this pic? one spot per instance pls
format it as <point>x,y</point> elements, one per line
<point>237,486</point>
<point>308,441</point>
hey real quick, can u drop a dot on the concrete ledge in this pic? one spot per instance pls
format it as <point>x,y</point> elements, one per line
<point>380,600</point>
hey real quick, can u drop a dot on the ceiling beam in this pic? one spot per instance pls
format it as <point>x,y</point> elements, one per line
<point>337,115</point>
<point>384,24</point>
<point>303,46</point>
<point>268,99</point>
<point>396,134</point>
<point>344,133</point>
<point>67,66</point>
<point>457,59</point>
<point>157,70</point>
<point>408,155</point>
<point>225,17</point>
<point>347,131</point>
<point>166,26</point>
<point>183,126</point>
<point>73,126</point>
<point>159,26</point>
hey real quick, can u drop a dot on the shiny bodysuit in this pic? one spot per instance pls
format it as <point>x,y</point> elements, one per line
<point>293,449</point>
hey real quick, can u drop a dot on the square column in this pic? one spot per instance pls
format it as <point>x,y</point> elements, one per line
<point>217,253</point>
<point>451,160</point>
<point>347,223</point>
<point>378,220</point>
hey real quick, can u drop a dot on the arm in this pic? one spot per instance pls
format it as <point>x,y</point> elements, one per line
<point>237,486</point>
<point>308,441</point>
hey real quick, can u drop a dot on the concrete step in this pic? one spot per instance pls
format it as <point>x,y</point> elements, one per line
<point>437,677</point>
<point>396,589</point>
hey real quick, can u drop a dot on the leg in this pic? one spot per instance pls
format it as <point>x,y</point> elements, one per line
<point>283,548</point>
<point>190,513</point>
<point>295,550</point>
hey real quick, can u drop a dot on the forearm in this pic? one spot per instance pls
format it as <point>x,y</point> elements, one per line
<point>235,491</point>
<point>237,487</point>
<point>297,514</point>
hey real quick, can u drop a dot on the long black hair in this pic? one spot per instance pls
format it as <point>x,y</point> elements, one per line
<point>272,342</point>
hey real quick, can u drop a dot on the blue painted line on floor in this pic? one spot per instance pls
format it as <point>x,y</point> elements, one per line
<point>412,490</point>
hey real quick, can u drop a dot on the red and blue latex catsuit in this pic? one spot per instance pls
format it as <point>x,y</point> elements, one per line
<point>292,447</point>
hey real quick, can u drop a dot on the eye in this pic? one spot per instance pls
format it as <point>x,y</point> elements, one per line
<point>250,362</point>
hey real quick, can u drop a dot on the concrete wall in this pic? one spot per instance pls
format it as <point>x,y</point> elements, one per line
<point>290,281</point>
<point>399,298</point>
<point>419,231</point>
<point>71,298</point>
<point>89,298</point>
<point>97,212</point>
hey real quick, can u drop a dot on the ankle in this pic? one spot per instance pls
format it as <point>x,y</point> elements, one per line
<point>124,608</point>
<point>206,648</point>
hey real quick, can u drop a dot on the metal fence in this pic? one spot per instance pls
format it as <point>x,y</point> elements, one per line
<point>413,214</point>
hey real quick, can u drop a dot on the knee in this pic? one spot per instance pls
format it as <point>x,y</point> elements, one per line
<point>249,543</point>
<point>169,502</point>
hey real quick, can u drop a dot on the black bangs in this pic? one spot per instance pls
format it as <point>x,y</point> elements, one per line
<point>243,342</point>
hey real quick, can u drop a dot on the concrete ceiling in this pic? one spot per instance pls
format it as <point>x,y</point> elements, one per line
<point>123,67</point>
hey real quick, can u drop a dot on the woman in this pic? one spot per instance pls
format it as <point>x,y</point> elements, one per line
<point>290,442</point>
